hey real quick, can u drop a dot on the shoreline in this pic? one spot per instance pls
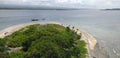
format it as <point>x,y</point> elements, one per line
<point>89,39</point>
<point>12,29</point>
<point>91,42</point>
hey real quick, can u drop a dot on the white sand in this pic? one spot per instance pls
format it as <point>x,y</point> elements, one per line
<point>91,42</point>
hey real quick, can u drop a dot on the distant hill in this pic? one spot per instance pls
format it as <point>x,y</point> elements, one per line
<point>19,7</point>
<point>113,9</point>
<point>39,8</point>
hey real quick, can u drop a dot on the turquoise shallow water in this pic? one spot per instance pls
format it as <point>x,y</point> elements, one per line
<point>103,25</point>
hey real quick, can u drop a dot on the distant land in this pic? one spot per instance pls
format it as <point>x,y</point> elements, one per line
<point>39,8</point>
<point>36,8</point>
<point>113,9</point>
<point>31,7</point>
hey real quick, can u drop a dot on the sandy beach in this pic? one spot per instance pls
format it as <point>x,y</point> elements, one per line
<point>14,28</point>
<point>90,40</point>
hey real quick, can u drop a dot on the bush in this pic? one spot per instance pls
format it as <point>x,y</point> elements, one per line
<point>2,45</point>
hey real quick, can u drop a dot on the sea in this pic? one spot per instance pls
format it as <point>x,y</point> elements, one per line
<point>104,25</point>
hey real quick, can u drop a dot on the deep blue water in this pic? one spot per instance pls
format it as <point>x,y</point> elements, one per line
<point>103,25</point>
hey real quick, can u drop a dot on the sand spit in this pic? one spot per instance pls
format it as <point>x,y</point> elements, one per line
<point>91,40</point>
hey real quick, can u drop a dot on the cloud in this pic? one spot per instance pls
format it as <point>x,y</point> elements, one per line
<point>66,3</point>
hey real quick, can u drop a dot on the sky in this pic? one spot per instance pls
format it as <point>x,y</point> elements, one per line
<point>64,3</point>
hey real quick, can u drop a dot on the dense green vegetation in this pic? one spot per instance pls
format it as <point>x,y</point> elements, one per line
<point>43,41</point>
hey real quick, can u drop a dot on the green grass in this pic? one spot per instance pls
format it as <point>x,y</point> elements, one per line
<point>45,41</point>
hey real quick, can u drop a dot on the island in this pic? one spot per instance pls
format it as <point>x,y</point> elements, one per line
<point>43,41</point>
<point>112,9</point>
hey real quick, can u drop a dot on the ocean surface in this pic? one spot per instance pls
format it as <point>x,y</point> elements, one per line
<point>103,25</point>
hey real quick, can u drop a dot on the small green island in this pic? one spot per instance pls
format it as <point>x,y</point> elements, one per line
<point>43,41</point>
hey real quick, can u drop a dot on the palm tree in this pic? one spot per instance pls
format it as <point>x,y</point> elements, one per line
<point>77,29</point>
<point>73,27</point>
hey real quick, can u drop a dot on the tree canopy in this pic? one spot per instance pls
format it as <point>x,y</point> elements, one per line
<point>44,41</point>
